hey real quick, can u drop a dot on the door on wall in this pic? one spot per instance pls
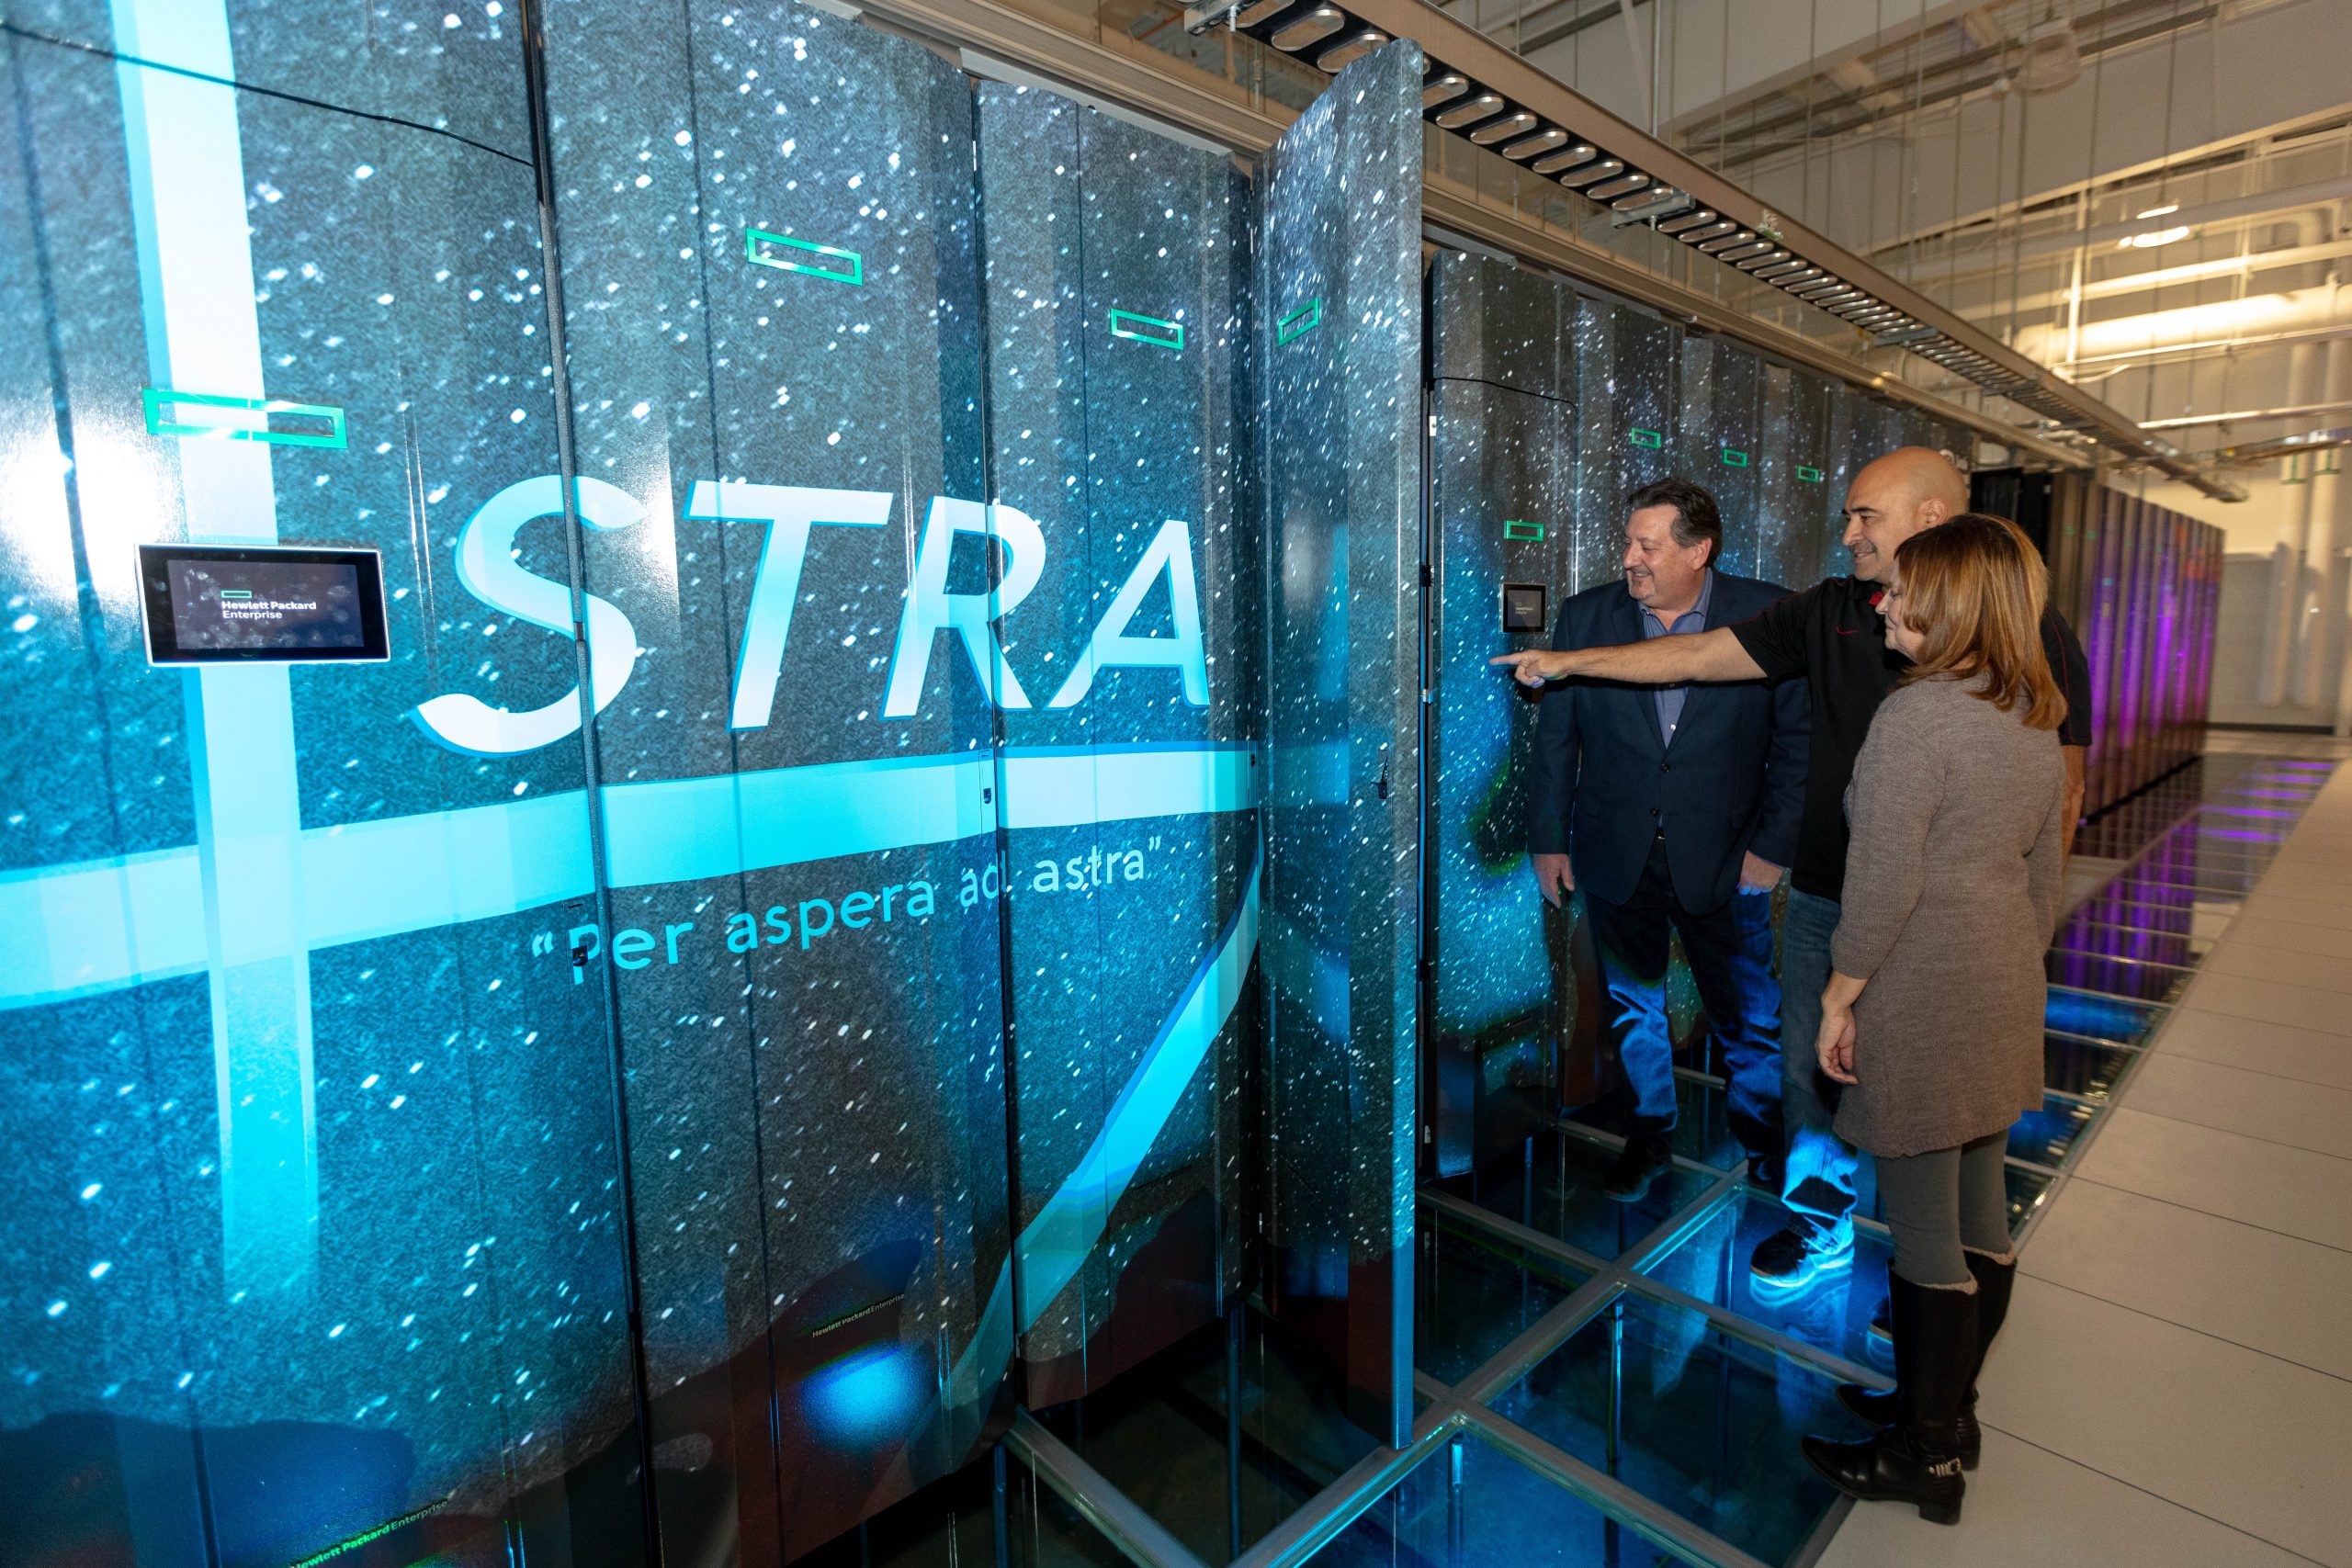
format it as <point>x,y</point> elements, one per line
<point>1503,519</point>
<point>1339,337</point>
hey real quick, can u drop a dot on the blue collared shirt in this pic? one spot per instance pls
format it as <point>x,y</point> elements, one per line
<point>1694,619</point>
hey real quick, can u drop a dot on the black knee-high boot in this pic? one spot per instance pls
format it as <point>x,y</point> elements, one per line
<point>1995,1280</point>
<point>1916,1461</point>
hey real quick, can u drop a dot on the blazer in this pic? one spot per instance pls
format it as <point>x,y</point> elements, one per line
<point>1605,782</point>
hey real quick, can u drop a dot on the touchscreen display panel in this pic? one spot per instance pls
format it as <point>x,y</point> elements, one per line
<point>211,604</point>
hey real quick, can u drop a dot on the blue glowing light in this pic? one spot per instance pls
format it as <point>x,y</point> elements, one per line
<point>2101,1018</point>
<point>863,1398</point>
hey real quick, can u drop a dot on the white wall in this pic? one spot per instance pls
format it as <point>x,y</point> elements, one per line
<point>2251,530</point>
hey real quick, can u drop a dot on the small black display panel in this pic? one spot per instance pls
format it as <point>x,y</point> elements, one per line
<point>260,603</point>
<point>1523,607</point>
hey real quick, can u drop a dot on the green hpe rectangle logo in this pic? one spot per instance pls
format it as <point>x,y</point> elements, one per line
<point>1299,323</point>
<point>156,398</point>
<point>236,593</point>
<point>1531,532</point>
<point>1147,329</point>
<point>1734,457</point>
<point>1646,437</point>
<point>1810,476</point>
<point>832,262</point>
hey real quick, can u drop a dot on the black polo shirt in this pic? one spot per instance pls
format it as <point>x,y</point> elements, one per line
<point>1832,635</point>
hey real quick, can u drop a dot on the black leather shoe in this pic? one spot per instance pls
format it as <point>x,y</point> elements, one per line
<point>1916,1461</point>
<point>1636,1166</point>
<point>1995,1282</point>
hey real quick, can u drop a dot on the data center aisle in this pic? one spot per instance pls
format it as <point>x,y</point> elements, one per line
<point>2175,1383</point>
<point>1603,1386</point>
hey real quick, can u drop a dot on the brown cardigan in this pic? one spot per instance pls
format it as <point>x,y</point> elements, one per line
<point>1952,882</point>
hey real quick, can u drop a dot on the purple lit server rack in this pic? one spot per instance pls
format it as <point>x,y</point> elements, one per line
<point>2140,582</point>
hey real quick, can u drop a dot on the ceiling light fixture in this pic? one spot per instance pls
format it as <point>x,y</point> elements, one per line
<point>1567,158</point>
<point>2158,212</point>
<point>2154,237</point>
<point>1470,111</point>
<point>1310,27</point>
<point>1607,169</point>
<point>1508,128</point>
<point>1622,185</point>
<point>1350,50</point>
<point>1528,146</point>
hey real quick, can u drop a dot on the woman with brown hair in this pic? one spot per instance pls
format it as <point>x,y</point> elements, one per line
<point>1932,1016</point>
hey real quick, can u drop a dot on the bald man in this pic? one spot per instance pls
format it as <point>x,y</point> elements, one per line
<point>1830,634</point>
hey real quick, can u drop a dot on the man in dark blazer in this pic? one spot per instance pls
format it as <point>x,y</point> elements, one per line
<point>1674,807</point>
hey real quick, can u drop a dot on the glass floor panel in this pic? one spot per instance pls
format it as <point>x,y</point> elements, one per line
<point>2223,845</point>
<point>2117,977</point>
<point>1702,1125</point>
<point>2141,882</point>
<point>1044,1531</point>
<point>2184,948</point>
<point>1159,1433</point>
<point>2138,896</point>
<point>1500,1513</point>
<point>2100,1018</point>
<point>1834,1313</point>
<point>2027,1190</point>
<point>2047,1136</point>
<point>953,1520</point>
<point>2176,911</point>
<point>1700,1422</point>
<point>1557,1189</point>
<point>2086,1067</point>
<point>2252,830</point>
<point>1477,1293</point>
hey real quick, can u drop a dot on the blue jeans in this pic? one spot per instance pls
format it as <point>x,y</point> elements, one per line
<point>1818,1184</point>
<point>1730,949</point>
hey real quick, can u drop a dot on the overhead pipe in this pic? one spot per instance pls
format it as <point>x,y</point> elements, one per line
<point>2305,371</point>
<point>2107,236</point>
<point>2290,665</point>
<point>2249,416</point>
<point>2125,284</point>
<point>2316,631</point>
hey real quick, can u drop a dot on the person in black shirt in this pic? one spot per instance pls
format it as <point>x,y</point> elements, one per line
<point>1832,635</point>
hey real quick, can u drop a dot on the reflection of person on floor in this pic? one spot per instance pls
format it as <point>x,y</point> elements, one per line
<point>1932,1017</point>
<point>1673,809</point>
<point>1830,634</point>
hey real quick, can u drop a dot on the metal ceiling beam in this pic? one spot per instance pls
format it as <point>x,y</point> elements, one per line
<point>2254,205</point>
<point>2285,446</point>
<point>2248,416</point>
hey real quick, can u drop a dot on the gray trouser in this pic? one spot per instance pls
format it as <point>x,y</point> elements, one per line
<point>1942,1205</point>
